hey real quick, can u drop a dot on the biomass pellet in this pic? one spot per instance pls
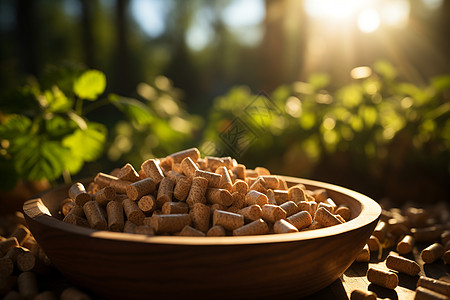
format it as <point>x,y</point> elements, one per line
<point>239,171</point>
<point>92,188</point>
<point>340,218</point>
<point>402,265</point>
<point>175,176</point>
<point>427,294</point>
<point>398,228</point>
<point>181,190</point>
<point>296,194</point>
<point>177,168</point>
<point>271,181</point>
<point>227,220</point>
<point>6,244</point>
<point>238,200</point>
<point>256,227</point>
<point>28,261</point>
<point>290,208</point>
<point>177,157</point>
<point>364,254</point>
<point>165,191</point>
<point>128,173</point>
<point>190,231</point>
<point>440,286</point>
<point>165,165</point>
<point>27,285</point>
<point>132,211</point>
<point>427,234</point>
<point>78,194</point>
<point>251,213</point>
<point>46,295</point>
<point>219,196</point>
<point>382,278</point>
<point>283,226</point>
<point>250,173</point>
<point>255,197</point>
<point>144,229</point>
<point>405,245</point>
<point>189,167</point>
<point>233,209</point>
<point>258,185</point>
<point>282,186</point>
<point>271,197</point>
<point>309,206</point>
<point>66,206</point>
<point>344,212</point>
<point>76,220</point>
<point>446,257</point>
<point>213,178</point>
<point>147,204</point>
<point>445,237</point>
<point>229,162</point>
<point>74,294</point>
<point>216,231</point>
<point>330,201</point>
<point>121,186</point>
<point>225,181</point>
<point>14,252</point>
<point>140,188</point>
<point>218,206</point>
<point>6,266</point>
<point>363,295</point>
<point>380,231</point>
<point>170,223</point>
<point>129,227</point>
<point>432,253</point>
<point>214,162</point>
<point>200,216</point>
<point>197,191</point>
<point>281,196</point>
<point>120,197</point>
<point>21,233</point>
<point>240,186</point>
<point>300,220</point>
<point>327,206</point>
<point>373,243</point>
<point>175,208</point>
<point>94,215</point>
<point>320,195</point>
<point>102,179</point>
<point>262,171</point>
<point>114,210</point>
<point>325,218</point>
<point>272,213</point>
<point>417,217</point>
<point>104,195</point>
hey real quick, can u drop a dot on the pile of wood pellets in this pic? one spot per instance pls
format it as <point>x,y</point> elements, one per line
<point>400,232</point>
<point>184,194</point>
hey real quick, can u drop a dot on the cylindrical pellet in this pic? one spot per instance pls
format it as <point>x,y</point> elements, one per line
<point>165,191</point>
<point>427,234</point>
<point>190,231</point>
<point>254,228</point>
<point>177,157</point>
<point>197,191</point>
<point>132,211</point>
<point>271,197</point>
<point>271,181</point>
<point>382,278</point>
<point>78,194</point>
<point>364,254</point>
<point>170,223</point>
<point>363,295</point>
<point>251,213</point>
<point>344,212</point>
<point>6,266</point>
<point>427,294</point>
<point>225,181</point>
<point>181,190</point>
<point>128,173</point>
<point>213,178</point>
<point>129,227</point>
<point>405,245</point>
<point>239,171</point>
<point>283,226</point>
<point>175,208</point>
<point>27,285</point>
<point>200,216</point>
<point>326,218</point>
<point>240,186</point>
<point>74,294</point>
<point>373,243</point>
<point>147,204</point>
<point>272,213</point>
<point>296,194</point>
<point>281,196</point>
<point>300,220</point>
<point>380,231</point>
<point>320,195</point>
<point>219,196</point>
<point>114,210</point>
<point>189,167</point>
<point>432,253</point>
<point>417,217</point>
<point>153,170</point>
<point>66,206</point>
<point>227,220</point>
<point>21,233</point>
<point>309,206</point>
<point>175,176</point>
<point>216,231</point>
<point>440,286</point>
<point>140,188</point>
<point>102,179</point>
<point>327,206</point>
<point>104,195</point>
<point>290,208</point>
<point>213,163</point>
<point>255,197</point>
<point>76,220</point>
<point>446,257</point>
<point>94,216</point>
<point>144,229</point>
<point>261,171</point>
<point>402,265</point>
<point>238,200</point>
<point>120,186</point>
<point>258,185</point>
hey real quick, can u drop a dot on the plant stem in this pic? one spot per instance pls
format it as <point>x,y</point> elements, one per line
<point>79,107</point>
<point>96,105</point>
<point>66,176</point>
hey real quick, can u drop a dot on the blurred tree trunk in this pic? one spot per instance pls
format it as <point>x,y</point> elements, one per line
<point>87,35</point>
<point>27,36</point>
<point>122,75</point>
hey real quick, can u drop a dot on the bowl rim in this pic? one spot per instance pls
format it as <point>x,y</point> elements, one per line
<point>370,211</point>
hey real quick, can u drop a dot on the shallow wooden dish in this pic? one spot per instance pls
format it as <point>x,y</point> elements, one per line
<point>130,266</point>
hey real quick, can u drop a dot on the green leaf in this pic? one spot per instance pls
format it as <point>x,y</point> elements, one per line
<point>350,95</point>
<point>57,127</point>
<point>136,110</point>
<point>385,69</point>
<point>14,126</point>
<point>87,144</point>
<point>319,80</point>
<point>57,101</point>
<point>441,83</point>
<point>90,85</point>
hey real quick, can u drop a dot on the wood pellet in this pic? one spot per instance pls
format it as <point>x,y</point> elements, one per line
<point>185,194</point>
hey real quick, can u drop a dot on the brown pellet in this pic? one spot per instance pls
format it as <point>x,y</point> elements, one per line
<point>128,173</point>
<point>74,294</point>
<point>28,261</point>
<point>300,220</point>
<point>440,286</point>
<point>147,204</point>
<point>296,193</point>
<point>27,285</point>
<point>165,191</point>
<point>283,226</point>
<point>382,278</point>
<point>102,179</point>
<point>197,191</point>
<point>114,211</point>
<point>402,265</point>
<point>76,220</point>
<point>239,171</point>
<point>256,227</point>
<point>344,212</point>
<point>219,196</point>
<point>261,171</point>
<point>174,208</point>
<point>213,178</point>
<point>238,200</point>
<point>258,185</point>
<point>240,186</point>
<point>104,195</point>
<point>427,294</point>
<point>380,231</point>
<point>271,181</point>
<point>190,231</point>
<point>272,213</point>
<point>309,206</point>
<point>6,266</point>
<point>213,163</point>
<point>446,257</point>
<point>364,254</point>
<point>94,215</point>
<point>216,231</point>
<point>177,157</point>
<point>144,229</point>
<point>175,176</point>
<point>445,237</point>
<point>181,190</point>
<point>326,218</point>
<point>255,197</point>
<point>251,213</point>
<point>320,195</point>
<point>290,208</point>
<point>170,223</point>
<point>373,243</point>
<point>405,245</point>
<point>200,216</point>
<point>78,194</point>
<point>189,167</point>
<point>432,253</point>
<point>281,196</point>
<point>227,220</point>
<point>140,188</point>
<point>225,181</point>
<point>66,206</point>
<point>363,295</point>
<point>132,211</point>
<point>120,186</point>
<point>129,227</point>
<point>21,233</point>
<point>327,206</point>
<point>427,234</point>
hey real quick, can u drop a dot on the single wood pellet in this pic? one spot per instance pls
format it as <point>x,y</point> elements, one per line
<point>78,194</point>
<point>325,218</point>
<point>152,169</point>
<point>283,226</point>
<point>190,231</point>
<point>94,216</point>
<point>309,206</point>
<point>189,167</point>
<point>197,191</point>
<point>432,253</point>
<point>128,173</point>
<point>364,255</point>
<point>182,187</point>
<point>427,234</point>
<point>362,295</point>
<point>147,204</point>
<point>140,188</point>
<point>114,211</point>
<point>27,285</point>
<point>380,231</point>
<point>21,233</point>
<point>251,213</point>
<point>427,294</point>
<point>254,228</point>
<point>104,195</point>
<point>216,230</point>
<point>436,285</point>
<point>132,211</point>
<point>382,278</point>
<point>200,216</point>
<point>344,212</point>
<point>74,294</point>
<point>255,197</point>
<point>227,220</point>
<point>169,223</point>
<point>290,208</point>
<point>373,243</point>
<point>402,265</point>
<point>405,245</point>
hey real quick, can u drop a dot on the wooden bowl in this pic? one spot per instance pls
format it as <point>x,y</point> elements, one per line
<point>131,266</point>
